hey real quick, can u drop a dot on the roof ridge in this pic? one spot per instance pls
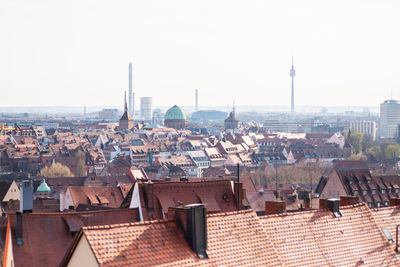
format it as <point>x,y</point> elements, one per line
<point>220,214</point>
<point>310,211</point>
<point>76,212</point>
<point>112,226</point>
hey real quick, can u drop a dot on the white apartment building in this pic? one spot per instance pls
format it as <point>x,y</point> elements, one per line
<point>390,118</point>
<point>364,127</point>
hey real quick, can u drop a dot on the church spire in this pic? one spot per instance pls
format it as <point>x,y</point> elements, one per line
<point>126,105</point>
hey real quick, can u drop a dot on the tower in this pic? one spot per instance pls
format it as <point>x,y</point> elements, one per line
<point>126,121</point>
<point>292,74</point>
<point>197,99</point>
<point>131,99</point>
<point>145,108</point>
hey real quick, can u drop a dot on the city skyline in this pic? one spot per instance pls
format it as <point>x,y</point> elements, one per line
<point>66,54</point>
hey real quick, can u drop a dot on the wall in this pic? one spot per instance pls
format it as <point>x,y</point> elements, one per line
<point>83,255</point>
<point>333,188</point>
<point>12,193</point>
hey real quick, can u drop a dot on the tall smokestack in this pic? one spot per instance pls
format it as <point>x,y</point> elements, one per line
<point>197,99</point>
<point>131,111</point>
<point>292,74</point>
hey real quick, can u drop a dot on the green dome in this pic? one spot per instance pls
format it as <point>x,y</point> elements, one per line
<point>175,113</point>
<point>43,187</point>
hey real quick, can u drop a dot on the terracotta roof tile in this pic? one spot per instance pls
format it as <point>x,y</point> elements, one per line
<point>316,238</point>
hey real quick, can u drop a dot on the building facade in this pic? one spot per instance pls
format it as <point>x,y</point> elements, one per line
<point>364,127</point>
<point>145,108</point>
<point>175,118</point>
<point>390,119</point>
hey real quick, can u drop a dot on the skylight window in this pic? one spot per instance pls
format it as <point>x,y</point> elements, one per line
<point>387,234</point>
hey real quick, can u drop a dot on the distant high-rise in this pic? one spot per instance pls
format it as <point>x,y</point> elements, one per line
<point>197,99</point>
<point>145,108</point>
<point>389,119</point>
<point>292,74</point>
<point>131,98</point>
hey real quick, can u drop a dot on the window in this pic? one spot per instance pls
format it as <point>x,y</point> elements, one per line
<point>383,191</point>
<point>386,203</point>
<point>396,191</point>
<point>378,204</point>
<point>355,193</point>
<point>369,204</point>
<point>373,192</point>
<point>364,193</point>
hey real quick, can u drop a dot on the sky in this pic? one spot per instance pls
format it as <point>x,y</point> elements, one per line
<point>75,52</point>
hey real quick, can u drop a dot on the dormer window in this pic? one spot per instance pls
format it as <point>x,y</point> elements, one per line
<point>355,193</point>
<point>364,192</point>
<point>378,204</point>
<point>383,191</point>
<point>396,191</point>
<point>373,192</point>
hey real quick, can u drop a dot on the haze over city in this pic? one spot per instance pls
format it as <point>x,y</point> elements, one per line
<point>71,53</point>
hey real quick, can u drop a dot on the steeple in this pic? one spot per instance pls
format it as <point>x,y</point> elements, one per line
<point>126,105</point>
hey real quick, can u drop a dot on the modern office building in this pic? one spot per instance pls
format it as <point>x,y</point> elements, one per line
<point>145,108</point>
<point>390,119</point>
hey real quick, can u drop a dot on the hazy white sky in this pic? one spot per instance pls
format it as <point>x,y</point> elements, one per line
<point>76,52</point>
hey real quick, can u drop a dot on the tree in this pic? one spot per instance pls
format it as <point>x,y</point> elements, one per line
<point>56,170</point>
<point>376,153</point>
<point>360,156</point>
<point>367,142</point>
<point>355,139</point>
<point>80,158</point>
<point>392,153</point>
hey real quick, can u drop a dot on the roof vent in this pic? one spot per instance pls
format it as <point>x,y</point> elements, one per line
<point>333,205</point>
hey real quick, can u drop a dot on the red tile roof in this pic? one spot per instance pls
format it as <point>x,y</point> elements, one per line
<point>234,239</point>
<point>47,236</point>
<point>317,238</point>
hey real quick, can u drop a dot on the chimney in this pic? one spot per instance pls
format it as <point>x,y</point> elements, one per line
<point>18,230</point>
<point>274,207</point>
<point>26,198</point>
<point>333,205</point>
<point>394,202</point>
<point>239,194</point>
<point>348,200</point>
<point>193,220</point>
<point>323,203</point>
<point>148,190</point>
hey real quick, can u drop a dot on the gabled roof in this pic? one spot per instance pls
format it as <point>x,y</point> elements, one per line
<point>317,238</point>
<point>47,236</point>
<point>96,195</point>
<point>234,239</point>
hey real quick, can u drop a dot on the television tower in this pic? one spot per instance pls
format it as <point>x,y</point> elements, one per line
<point>292,74</point>
<point>131,111</point>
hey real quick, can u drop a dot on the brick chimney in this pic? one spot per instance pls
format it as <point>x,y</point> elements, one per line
<point>193,220</point>
<point>274,207</point>
<point>239,195</point>
<point>323,204</point>
<point>394,202</point>
<point>149,196</point>
<point>348,200</point>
